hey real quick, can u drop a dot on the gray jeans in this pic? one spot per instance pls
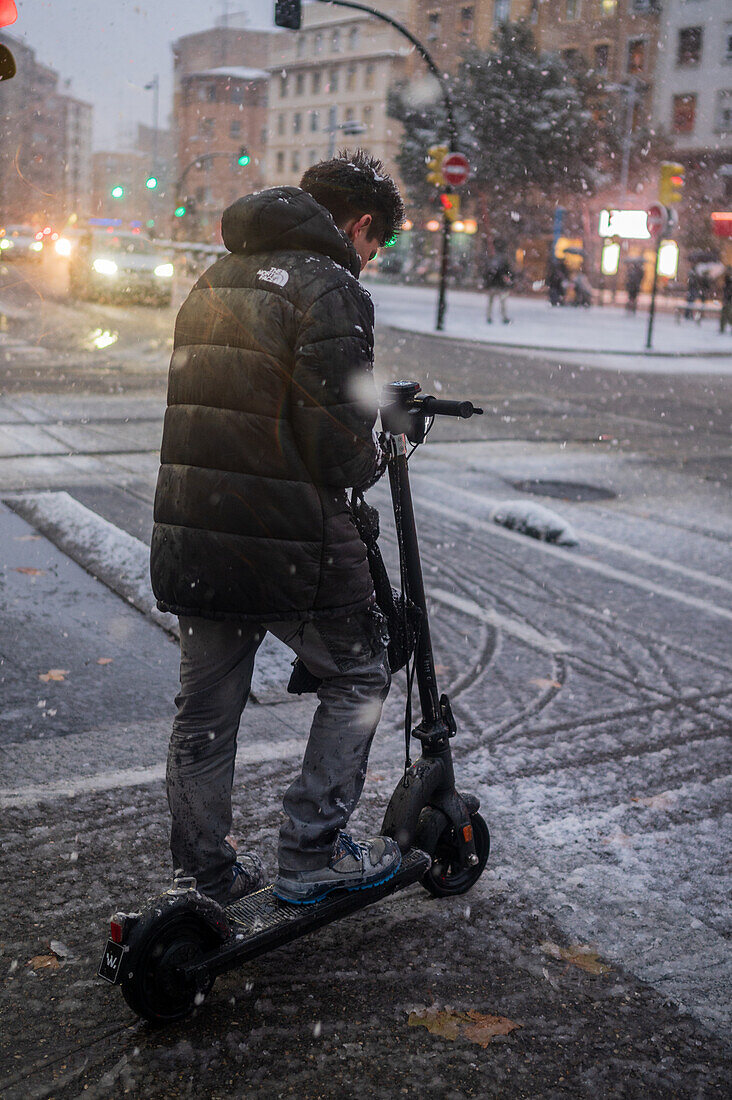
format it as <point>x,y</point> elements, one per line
<point>217,661</point>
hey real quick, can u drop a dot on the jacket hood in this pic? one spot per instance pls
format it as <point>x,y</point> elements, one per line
<point>284,218</point>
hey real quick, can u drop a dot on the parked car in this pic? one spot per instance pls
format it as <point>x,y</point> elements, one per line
<point>120,265</point>
<point>20,242</point>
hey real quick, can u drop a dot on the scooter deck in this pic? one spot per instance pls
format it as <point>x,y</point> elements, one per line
<point>261,922</point>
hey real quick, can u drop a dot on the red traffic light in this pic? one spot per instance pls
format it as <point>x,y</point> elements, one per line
<point>447,203</point>
<point>8,12</point>
<point>677,181</point>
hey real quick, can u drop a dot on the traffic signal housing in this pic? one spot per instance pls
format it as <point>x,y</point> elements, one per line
<point>671,186</point>
<point>288,13</point>
<point>451,206</point>
<point>243,159</point>
<point>436,155</point>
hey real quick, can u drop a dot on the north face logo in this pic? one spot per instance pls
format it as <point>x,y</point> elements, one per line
<point>273,275</point>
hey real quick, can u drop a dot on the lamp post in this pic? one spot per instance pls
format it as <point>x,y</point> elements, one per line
<point>349,127</point>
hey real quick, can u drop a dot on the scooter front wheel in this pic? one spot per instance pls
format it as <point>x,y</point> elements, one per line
<point>436,836</point>
<point>153,985</point>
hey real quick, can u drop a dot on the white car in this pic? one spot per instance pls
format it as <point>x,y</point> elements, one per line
<point>117,265</point>
<point>20,242</point>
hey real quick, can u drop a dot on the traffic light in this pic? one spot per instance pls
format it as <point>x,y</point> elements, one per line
<point>151,183</point>
<point>437,154</point>
<point>118,191</point>
<point>671,186</point>
<point>451,206</point>
<point>180,211</point>
<point>288,14</point>
<point>243,159</point>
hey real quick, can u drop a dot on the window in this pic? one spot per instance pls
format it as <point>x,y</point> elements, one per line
<point>534,11</point>
<point>601,57</point>
<point>336,42</point>
<point>211,93</point>
<point>299,83</point>
<point>433,26</point>
<point>236,94</point>
<point>467,21</point>
<point>368,114</point>
<point>727,42</point>
<point>207,127</point>
<point>573,9</point>
<point>301,42</point>
<point>318,44</point>
<point>353,38</point>
<point>314,122</point>
<point>684,114</point>
<point>609,7</point>
<point>280,123</point>
<point>296,122</point>
<point>501,12</point>
<point>283,85</point>
<point>280,162</point>
<point>312,156</point>
<point>723,118</point>
<point>234,128</point>
<point>636,55</point>
<point>295,161</point>
<point>316,82</point>
<point>333,84</point>
<point>369,75</point>
<point>572,56</point>
<point>350,78</point>
<point>690,46</point>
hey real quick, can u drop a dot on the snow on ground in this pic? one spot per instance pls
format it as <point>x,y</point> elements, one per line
<point>603,336</point>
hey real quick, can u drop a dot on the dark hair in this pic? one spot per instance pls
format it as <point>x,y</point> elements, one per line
<point>354,184</point>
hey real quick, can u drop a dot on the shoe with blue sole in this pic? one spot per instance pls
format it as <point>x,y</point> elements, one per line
<point>353,866</point>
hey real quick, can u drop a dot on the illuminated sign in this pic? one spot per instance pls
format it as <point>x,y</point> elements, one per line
<point>629,225</point>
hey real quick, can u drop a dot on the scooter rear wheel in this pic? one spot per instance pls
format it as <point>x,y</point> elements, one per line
<point>153,986</point>
<point>436,836</point>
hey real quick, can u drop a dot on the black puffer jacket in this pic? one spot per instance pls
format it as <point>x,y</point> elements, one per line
<point>271,406</point>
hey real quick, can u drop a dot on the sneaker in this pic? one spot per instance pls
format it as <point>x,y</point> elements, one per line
<point>352,866</point>
<point>248,875</point>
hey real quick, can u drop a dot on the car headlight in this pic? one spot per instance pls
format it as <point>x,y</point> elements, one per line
<point>63,246</point>
<point>37,246</point>
<point>165,271</point>
<point>105,267</point>
<point>5,243</point>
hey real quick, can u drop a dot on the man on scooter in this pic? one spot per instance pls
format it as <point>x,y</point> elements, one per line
<point>271,410</point>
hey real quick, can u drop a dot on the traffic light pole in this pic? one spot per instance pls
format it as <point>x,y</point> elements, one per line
<point>652,309</point>
<point>452,131</point>
<point>196,161</point>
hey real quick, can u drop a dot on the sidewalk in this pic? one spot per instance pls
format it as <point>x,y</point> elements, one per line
<point>602,336</point>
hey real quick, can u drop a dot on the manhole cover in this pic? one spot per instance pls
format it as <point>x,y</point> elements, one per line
<point>563,490</point>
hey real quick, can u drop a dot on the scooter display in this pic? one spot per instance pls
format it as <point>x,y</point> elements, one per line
<point>167,958</point>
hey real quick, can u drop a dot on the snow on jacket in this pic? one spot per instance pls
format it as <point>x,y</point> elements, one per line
<point>271,408</point>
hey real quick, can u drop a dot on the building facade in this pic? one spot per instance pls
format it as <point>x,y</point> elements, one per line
<point>329,85</point>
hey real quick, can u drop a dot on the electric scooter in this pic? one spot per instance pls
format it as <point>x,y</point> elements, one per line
<point>167,958</point>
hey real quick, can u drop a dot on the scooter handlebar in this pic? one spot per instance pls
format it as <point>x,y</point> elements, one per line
<point>437,406</point>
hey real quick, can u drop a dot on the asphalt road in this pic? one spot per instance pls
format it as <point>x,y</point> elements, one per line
<point>593,696</point>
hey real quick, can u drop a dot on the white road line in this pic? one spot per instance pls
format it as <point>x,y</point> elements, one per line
<point>544,642</point>
<point>571,558</point>
<point>259,752</point>
<point>600,540</point>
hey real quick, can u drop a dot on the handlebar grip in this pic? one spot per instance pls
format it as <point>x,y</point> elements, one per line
<point>437,406</point>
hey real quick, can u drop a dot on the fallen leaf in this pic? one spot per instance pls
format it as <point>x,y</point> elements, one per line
<point>662,801</point>
<point>53,674</point>
<point>449,1024</point>
<point>484,1028</point>
<point>104,660</point>
<point>29,572</point>
<point>580,955</point>
<point>545,683</point>
<point>44,962</point>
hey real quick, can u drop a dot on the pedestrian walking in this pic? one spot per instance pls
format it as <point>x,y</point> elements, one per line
<point>556,280</point>
<point>633,281</point>
<point>725,318</point>
<point>498,278</point>
<point>692,293</point>
<point>582,290</point>
<point>271,411</point>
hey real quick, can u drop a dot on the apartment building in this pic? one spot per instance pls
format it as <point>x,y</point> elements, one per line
<point>329,85</point>
<point>446,27</point>
<point>220,105</point>
<point>74,148</point>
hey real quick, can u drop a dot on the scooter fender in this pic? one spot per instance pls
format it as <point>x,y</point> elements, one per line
<point>413,792</point>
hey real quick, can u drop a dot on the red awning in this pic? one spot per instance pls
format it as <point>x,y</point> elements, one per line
<point>722,223</point>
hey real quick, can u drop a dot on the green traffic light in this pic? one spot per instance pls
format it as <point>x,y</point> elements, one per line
<point>243,159</point>
<point>179,211</point>
<point>117,191</point>
<point>151,183</point>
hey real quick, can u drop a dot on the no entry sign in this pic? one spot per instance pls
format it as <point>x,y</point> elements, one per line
<point>455,169</point>
<point>656,219</point>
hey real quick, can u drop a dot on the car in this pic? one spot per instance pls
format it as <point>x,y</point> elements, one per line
<point>113,264</point>
<point>20,242</point>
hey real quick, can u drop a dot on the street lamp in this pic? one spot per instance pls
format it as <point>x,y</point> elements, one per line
<point>349,127</point>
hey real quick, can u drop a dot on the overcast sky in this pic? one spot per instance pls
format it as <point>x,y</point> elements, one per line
<point>109,49</point>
